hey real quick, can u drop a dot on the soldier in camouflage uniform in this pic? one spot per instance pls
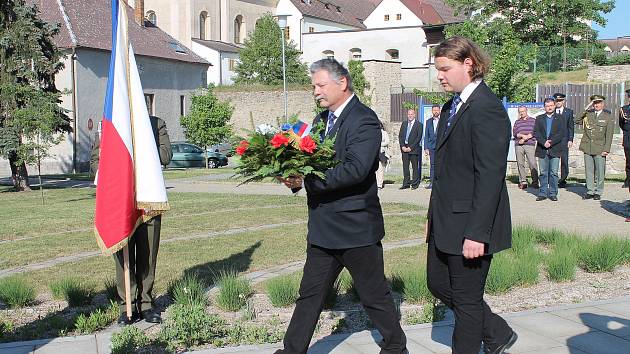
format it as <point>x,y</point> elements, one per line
<point>599,126</point>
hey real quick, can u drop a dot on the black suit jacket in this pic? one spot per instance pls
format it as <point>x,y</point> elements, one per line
<point>469,198</point>
<point>567,115</point>
<point>415,137</point>
<point>624,124</point>
<point>344,210</point>
<point>557,136</point>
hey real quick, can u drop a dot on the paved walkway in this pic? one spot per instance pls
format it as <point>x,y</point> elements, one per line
<point>601,327</point>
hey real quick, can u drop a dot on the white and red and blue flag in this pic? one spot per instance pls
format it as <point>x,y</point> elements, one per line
<point>301,128</point>
<point>128,151</point>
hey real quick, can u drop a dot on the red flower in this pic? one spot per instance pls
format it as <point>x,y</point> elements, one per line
<point>242,147</point>
<point>307,144</point>
<point>279,139</point>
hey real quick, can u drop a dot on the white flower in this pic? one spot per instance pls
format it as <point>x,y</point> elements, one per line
<point>266,129</point>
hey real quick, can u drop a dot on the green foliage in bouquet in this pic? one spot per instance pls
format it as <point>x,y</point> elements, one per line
<point>271,152</point>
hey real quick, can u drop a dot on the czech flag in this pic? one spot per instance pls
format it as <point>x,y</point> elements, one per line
<point>130,186</point>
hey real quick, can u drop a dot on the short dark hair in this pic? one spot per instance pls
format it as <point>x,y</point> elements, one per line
<point>459,48</point>
<point>334,68</point>
<point>436,106</point>
<point>549,99</point>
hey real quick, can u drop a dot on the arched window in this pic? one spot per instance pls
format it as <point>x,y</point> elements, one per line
<point>355,54</point>
<point>239,29</point>
<point>152,17</point>
<point>328,54</point>
<point>204,32</point>
<point>393,54</point>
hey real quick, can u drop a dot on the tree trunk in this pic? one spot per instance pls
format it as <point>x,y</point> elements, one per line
<point>19,174</point>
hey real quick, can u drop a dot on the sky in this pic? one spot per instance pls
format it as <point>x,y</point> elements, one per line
<point>617,25</point>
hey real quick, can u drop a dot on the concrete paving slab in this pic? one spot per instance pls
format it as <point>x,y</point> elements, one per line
<point>622,309</point>
<point>599,319</point>
<point>599,343</point>
<point>549,325</point>
<point>74,347</point>
<point>28,349</point>
<point>364,337</point>
<point>333,347</point>
<point>556,350</point>
<point>531,341</point>
<point>437,339</point>
<point>103,342</point>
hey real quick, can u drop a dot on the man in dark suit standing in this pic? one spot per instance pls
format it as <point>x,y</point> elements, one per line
<point>550,133</point>
<point>409,138</point>
<point>469,210</point>
<point>430,139</point>
<point>624,124</point>
<point>345,220</point>
<point>567,143</point>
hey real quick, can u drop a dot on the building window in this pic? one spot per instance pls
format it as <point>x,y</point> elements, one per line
<point>328,54</point>
<point>239,29</point>
<point>232,64</point>
<point>152,17</point>
<point>386,17</point>
<point>149,99</point>
<point>287,33</point>
<point>398,17</point>
<point>393,53</point>
<point>311,29</point>
<point>204,26</point>
<point>182,105</point>
<point>431,53</point>
<point>355,54</point>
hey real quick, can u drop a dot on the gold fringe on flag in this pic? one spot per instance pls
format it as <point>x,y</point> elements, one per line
<point>118,246</point>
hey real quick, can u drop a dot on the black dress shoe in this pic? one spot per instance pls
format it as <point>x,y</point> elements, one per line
<point>535,185</point>
<point>562,184</point>
<point>588,196</point>
<point>429,186</point>
<point>596,197</point>
<point>625,185</point>
<point>414,187</point>
<point>540,197</point>
<point>502,348</point>
<point>553,199</point>
<point>151,316</point>
<point>123,320</point>
<point>404,187</point>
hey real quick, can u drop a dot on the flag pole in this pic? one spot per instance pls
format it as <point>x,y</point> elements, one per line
<point>125,251</point>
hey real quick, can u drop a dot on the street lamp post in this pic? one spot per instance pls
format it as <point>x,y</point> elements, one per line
<point>282,22</point>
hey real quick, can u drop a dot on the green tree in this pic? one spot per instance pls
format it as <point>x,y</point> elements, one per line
<point>261,58</point>
<point>30,115</point>
<point>359,82</point>
<point>542,22</point>
<point>207,122</point>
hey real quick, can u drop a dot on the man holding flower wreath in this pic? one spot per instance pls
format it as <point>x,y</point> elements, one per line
<point>345,224</point>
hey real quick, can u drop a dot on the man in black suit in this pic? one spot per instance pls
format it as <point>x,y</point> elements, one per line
<point>345,220</point>
<point>567,143</point>
<point>624,124</point>
<point>550,133</point>
<point>409,138</point>
<point>469,210</point>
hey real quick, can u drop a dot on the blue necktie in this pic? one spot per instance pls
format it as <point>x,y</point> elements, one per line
<point>452,112</point>
<point>409,125</point>
<point>331,122</point>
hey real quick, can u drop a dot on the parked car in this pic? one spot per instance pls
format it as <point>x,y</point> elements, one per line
<point>225,148</point>
<point>189,155</point>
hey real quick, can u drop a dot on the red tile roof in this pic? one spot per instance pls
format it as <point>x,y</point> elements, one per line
<point>432,12</point>
<point>348,12</point>
<point>87,24</point>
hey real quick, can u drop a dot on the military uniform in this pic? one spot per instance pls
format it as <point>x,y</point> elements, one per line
<point>144,244</point>
<point>597,138</point>
<point>567,114</point>
<point>624,124</point>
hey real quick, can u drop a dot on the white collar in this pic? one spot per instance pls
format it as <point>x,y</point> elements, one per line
<point>468,90</point>
<point>338,111</point>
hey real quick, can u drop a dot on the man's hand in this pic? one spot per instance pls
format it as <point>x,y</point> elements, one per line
<point>406,149</point>
<point>426,152</point>
<point>473,249</point>
<point>604,153</point>
<point>570,144</point>
<point>548,144</point>
<point>521,141</point>
<point>291,182</point>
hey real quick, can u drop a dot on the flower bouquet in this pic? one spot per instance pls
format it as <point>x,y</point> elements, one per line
<point>295,149</point>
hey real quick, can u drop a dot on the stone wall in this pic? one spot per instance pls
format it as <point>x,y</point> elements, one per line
<point>609,73</point>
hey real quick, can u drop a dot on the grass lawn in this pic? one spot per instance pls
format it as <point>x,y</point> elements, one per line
<point>560,77</point>
<point>63,227</point>
<point>175,173</point>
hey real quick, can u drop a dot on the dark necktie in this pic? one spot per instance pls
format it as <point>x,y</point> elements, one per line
<point>331,122</point>
<point>452,112</point>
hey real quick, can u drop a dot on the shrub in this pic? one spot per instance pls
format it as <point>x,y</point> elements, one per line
<point>239,334</point>
<point>249,311</point>
<point>622,59</point>
<point>73,291</point>
<point>233,291</point>
<point>129,340</point>
<point>524,239</point>
<point>16,292</point>
<point>283,290</point>
<point>188,290</point>
<point>190,325</point>
<point>561,264</point>
<point>602,255</point>
<point>509,269</point>
<point>100,318</point>
<point>414,285</point>
<point>548,237</point>
<point>430,313</point>
<point>599,58</point>
<point>346,285</point>
<point>6,327</point>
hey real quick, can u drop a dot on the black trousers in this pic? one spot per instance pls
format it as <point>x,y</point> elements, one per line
<point>564,164</point>
<point>459,283</point>
<point>412,159</point>
<point>626,151</point>
<point>322,267</point>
